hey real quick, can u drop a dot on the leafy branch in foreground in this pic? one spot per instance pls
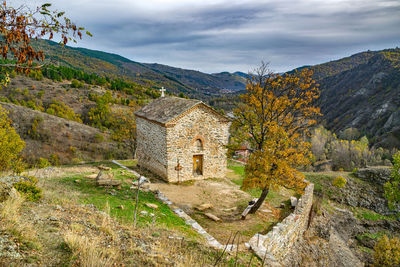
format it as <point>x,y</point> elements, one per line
<point>18,26</point>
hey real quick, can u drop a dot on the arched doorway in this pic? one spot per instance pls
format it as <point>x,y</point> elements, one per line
<point>197,164</point>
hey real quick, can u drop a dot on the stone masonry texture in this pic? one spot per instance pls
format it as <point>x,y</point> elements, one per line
<point>198,131</point>
<point>277,244</point>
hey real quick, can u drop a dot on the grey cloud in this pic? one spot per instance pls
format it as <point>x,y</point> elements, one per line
<point>236,35</point>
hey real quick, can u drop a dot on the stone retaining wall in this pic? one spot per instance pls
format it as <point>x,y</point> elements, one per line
<point>277,244</point>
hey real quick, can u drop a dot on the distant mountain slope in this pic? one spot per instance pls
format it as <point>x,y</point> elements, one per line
<point>176,80</point>
<point>363,92</point>
<point>207,83</point>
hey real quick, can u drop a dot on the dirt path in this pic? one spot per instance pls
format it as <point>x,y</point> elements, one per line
<point>227,200</point>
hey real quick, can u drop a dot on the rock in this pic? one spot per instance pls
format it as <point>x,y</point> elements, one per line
<point>151,205</point>
<point>204,206</point>
<point>230,209</point>
<point>143,212</point>
<point>212,217</point>
<point>4,191</point>
<point>104,168</point>
<point>59,208</point>
<point>77,181</point>
<point>151,214</point>
<point>107,179</point>
<point>121,207</point>
<point>91,176</point>
<point>374,175</point>
<point>321,166</point>
<point>293,201</point>
<point>53,219</point>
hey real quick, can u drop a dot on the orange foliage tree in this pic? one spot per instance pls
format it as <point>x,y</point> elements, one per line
<point>274,118</point>
<point>18,26</point>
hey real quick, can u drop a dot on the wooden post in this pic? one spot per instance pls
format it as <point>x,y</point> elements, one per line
<point>178,168</point>
<point>136,205</point>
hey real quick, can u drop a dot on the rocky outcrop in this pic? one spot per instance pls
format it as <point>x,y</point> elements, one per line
<point>374,175</point>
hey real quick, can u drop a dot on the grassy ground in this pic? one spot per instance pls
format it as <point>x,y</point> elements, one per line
<point>275,198</point>
<point>121,200</point>
<point>66,228</point>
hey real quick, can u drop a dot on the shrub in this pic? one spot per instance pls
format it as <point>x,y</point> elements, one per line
<point>392,187</point>
<point>63,111</point>
<point>10,142</point>
<point>54,159</point>
<point>339,182</point>
<point>13,74</point>
<point>29,189</point>
<point>387,252</point>
<point>43,163</point>
<point>76,84</point>
<point>355,170</point>
<point>99,138</point>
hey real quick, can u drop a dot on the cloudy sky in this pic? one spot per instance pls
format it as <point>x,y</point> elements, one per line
<point>228,35</point>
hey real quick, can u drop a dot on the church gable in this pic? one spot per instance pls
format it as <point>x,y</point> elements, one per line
<point>200,106</point>
<point>168,110</point>
<point>164,109</point>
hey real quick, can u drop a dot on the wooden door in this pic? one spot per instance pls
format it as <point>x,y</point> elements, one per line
<point>198,164</point>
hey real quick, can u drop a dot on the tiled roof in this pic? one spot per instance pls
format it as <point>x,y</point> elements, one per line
<point>164,109</point>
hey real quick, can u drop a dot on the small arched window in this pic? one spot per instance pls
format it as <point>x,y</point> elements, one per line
<point>199,144</point>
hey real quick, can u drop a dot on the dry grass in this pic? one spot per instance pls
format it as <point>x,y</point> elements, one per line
<point>13,223</point>
<point>88,252</point>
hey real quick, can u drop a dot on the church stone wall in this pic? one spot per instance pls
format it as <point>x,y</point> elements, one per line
<point>199,123</point>
<point>151,146</point>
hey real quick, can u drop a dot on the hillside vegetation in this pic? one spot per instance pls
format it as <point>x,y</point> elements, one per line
<point>176,80</point>
<point>363,92</point>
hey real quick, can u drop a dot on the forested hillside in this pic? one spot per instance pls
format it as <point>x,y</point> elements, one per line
<point>176,80</point>
<point>363,92</point>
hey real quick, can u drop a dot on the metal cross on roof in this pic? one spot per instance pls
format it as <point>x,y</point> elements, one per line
<point>162,90</point>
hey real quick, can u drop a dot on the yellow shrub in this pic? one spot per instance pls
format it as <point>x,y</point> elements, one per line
<point>387,252</point>
<point>339,182</point>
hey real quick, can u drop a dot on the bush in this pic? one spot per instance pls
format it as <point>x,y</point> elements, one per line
<point>29,189</point>
<point>98,138</point>
<point>387,252</point>
<point>54,159</point>
<point>76,84</point>
<point>392,187</point>
<point>10,142</point>
<point>43,163</point>
<point>61,110</point>
<point>339,182</point>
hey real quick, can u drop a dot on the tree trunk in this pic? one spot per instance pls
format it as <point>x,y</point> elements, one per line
<point>260,200</point>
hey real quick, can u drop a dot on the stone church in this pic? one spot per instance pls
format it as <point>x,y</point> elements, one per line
<point>181,139</point>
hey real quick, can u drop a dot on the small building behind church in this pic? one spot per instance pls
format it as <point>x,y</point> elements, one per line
<point>181,139</point>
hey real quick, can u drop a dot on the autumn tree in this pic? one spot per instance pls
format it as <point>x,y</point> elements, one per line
<point>19,26</point>
<point>125,128</point>
<point>10,143</point>
<point>392,187</point>
<point>274,118</point>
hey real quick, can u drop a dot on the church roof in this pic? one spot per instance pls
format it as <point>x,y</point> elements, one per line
<point>165,109</point>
